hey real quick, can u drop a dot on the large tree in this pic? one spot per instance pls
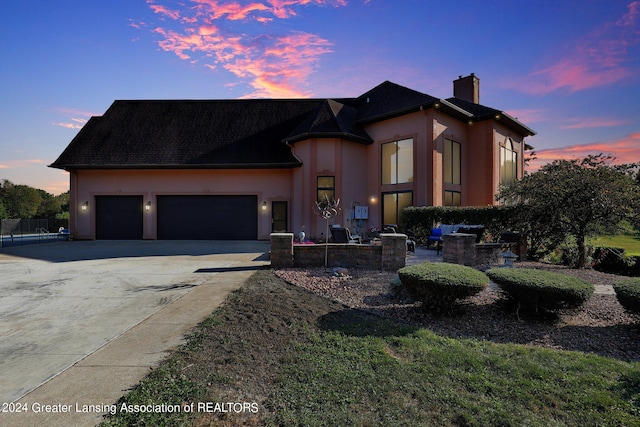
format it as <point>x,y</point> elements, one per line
<point>575,198</point>
<point>20,201</point>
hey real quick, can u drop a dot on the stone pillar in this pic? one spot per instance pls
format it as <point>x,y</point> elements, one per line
<point>394,251</point>
<point>281,250</point>
<point>459,248</point>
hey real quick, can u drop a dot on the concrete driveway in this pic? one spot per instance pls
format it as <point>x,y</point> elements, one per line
<point>62,303</point>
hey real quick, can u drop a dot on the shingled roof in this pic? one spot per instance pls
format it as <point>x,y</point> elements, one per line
<point>252,133</point>
<point>332,119</point>
<point>480,112</point>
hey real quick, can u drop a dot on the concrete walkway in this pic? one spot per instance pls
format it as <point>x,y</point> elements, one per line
<point>83,322</point>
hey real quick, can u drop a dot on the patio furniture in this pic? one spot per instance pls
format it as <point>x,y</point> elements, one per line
<point>435,238</point>
<point>343,235</point>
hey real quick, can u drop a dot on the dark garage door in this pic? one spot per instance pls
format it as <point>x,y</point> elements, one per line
<point>207,217</point>
<point>119,217</point>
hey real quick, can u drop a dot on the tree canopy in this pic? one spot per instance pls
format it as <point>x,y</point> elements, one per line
<point>22,201</point>
<point>575,198</point>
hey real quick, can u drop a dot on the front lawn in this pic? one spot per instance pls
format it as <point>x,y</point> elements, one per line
<point>630,243</point>
<point>308,361</point>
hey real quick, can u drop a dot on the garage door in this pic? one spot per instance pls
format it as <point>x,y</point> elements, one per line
<point>119,217</point>
<point>207,217</point>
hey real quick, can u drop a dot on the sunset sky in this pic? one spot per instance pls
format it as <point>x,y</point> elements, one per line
<point>568,69</point>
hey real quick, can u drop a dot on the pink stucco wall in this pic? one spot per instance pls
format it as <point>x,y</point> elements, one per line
<point>346,161</point>
<point>267,184</point>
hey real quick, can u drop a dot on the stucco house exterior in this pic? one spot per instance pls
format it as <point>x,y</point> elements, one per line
<point>242,169</point>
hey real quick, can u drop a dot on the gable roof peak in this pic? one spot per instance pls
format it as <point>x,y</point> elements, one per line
<point>390,99</point>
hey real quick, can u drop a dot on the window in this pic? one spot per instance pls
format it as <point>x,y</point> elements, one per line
<point>452,198</point>
<point>392,205</point>
<point>452,162</point>
<point>326,188</point>
<point>508,163</point>
<point>397,162</point>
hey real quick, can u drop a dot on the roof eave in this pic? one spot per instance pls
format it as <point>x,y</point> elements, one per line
<point>395,113</point>
<point>276,165</point>
<point>508,121</point>
<point>324,135</point>
<point>438,104</point>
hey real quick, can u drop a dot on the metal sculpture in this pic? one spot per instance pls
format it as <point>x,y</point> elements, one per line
<point>327,209</point>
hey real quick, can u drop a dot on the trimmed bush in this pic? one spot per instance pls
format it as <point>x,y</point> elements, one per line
<point>628,293</point>
<point>614,260</point>
<point>439,285</point>
<point>541,289</point>
<point>418,221</point>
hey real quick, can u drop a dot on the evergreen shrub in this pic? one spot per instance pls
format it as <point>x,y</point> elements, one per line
<point>418,221</point>
<point>548,290</point>
<point>628,293</point>
<point>615,261</point>
<point>439,285</point>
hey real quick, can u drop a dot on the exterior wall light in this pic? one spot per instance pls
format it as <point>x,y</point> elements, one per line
<point>147,206</point>
<point>84,206</point>
<point>264,206</point>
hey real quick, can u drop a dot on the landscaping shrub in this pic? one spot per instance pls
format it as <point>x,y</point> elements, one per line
<point>541,289</point>
<point>615,261</point>
<point>418,221</point>
<point>628,293</point>
<point>439,285</point>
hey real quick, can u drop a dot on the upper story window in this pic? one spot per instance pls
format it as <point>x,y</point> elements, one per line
<point>508,163</point>
<point>325,188</point>
<point>397,162</point>
<point>452,162</point>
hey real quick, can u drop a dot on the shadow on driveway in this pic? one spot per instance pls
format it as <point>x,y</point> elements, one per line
<point>106,249</point>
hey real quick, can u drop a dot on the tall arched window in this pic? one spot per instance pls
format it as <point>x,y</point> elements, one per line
<point>508,163</point>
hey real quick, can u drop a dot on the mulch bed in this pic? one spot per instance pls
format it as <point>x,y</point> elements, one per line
<point>601,326</point>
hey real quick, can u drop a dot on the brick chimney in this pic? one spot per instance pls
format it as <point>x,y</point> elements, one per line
<point>467,88</point>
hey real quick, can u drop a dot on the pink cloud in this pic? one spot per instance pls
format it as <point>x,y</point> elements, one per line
<point>22,163</point>
<point>625,150</point>
<point>137,25</point>
<point>598,59</point>
<point>74,118</point>
<point>75,112</point>
<point>528,115</point>
<point>230,10</point>
<point>76,123</point>
<point>173,14</point>
<point>273,65</point>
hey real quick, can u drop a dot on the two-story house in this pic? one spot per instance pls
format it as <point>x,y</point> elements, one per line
<point>241,169</point>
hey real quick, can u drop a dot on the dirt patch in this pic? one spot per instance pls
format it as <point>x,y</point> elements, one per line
<point>240,352</point>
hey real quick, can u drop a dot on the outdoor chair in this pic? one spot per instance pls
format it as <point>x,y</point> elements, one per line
<point>435,238</point>
<point>343,235</point>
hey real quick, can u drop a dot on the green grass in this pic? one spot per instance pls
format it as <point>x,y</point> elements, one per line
<point>630,243</point>
<point>384,376</point>
<point>349,368</point>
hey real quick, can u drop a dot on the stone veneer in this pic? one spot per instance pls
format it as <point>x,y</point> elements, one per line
<point>390,254</point>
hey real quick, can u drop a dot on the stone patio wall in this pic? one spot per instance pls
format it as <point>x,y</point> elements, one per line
<point>390,254</point>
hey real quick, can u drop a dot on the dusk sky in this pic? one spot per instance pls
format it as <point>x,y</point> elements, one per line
<point>570,70</point>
